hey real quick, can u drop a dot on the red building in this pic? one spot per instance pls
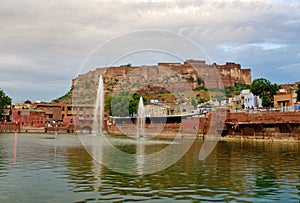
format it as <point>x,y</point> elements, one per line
<point>29,117</point>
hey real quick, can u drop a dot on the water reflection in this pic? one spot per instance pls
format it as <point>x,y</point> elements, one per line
<point>130,156</point>
<point>35,167</point>
<point>15,146</point>
<point>140,160</point>
<point>80,170</point>
<point>241,171</point>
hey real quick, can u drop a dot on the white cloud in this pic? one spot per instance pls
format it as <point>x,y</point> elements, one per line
<point>262,46</point>
<point>268,46</point>
<point>57,35</point>
<point>290,67</point>
<point>13,60</point>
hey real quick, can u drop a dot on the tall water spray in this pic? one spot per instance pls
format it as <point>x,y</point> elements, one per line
<point>141,119</point>
<point>99,108</point>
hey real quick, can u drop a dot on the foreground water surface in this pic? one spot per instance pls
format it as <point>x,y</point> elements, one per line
<point>57,168</point>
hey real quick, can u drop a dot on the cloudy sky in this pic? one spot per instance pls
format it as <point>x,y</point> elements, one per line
<point>45,43</point>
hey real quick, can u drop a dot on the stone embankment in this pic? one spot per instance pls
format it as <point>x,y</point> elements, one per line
<point>267,125</point>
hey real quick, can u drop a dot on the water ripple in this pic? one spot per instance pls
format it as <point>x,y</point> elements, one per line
<point>38,168</point>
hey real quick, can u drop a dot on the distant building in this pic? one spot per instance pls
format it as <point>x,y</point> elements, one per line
<point>28,117</point>
<point>164,109</point>
<point>22,105</point>
<point>6,117</point>
<point>41,114</point>
<point>297,107</point>
<point>251,101</point>
<point>283,99</point>
<point>155,110</point>
<point>245,100</point>
<point>204,108</point>
<point>55,111</point>
<point>290,89</point>
<point>224,102</point>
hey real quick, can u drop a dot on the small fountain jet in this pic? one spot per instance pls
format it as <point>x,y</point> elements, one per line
<point>141,119</point>
<point>99,108</point>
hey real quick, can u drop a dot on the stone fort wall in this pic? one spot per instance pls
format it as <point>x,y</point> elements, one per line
<point>134,77</point>
<point>229,73</point>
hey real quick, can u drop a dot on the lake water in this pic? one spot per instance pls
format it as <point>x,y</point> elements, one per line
<point>57,168</point>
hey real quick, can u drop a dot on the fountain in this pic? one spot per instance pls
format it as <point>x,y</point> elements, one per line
<point>141,119</point>
<point>99,108</point>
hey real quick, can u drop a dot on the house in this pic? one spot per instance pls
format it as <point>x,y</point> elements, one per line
<point>56,111</point>
<point>245,100</point>
<point>251,101</point>
<point>290,89</point>
<point>28,117</point>
<point>283,99</point>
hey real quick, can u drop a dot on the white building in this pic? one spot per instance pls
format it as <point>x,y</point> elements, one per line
<point>245,100</point>
<point>250,100</point>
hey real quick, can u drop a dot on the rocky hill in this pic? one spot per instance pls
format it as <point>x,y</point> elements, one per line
<point>164,81</point>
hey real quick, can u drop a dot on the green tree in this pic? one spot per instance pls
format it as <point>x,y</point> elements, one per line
<point>119,104</point>
<point>236,89</point>
<point>200,81</point>
<point>134,102</point>
<point>266,90</point>
<point>194,102</point>
<point>123,104</point>
<point>4,101</point>
<point>107,104</point>
<point>191,78</point>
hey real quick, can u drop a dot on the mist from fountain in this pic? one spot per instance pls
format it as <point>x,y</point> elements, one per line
<point>141,119</point>
<point>99,108</point>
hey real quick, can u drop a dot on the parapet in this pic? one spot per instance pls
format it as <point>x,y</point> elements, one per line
<point>168,64</point>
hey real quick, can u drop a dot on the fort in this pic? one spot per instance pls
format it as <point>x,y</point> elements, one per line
<point>195,72</point>
<point>229,72</point>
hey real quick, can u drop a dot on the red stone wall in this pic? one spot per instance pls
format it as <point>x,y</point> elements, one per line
<point>267,117</point>
<point>246,76</point>
<point>8,127</point>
